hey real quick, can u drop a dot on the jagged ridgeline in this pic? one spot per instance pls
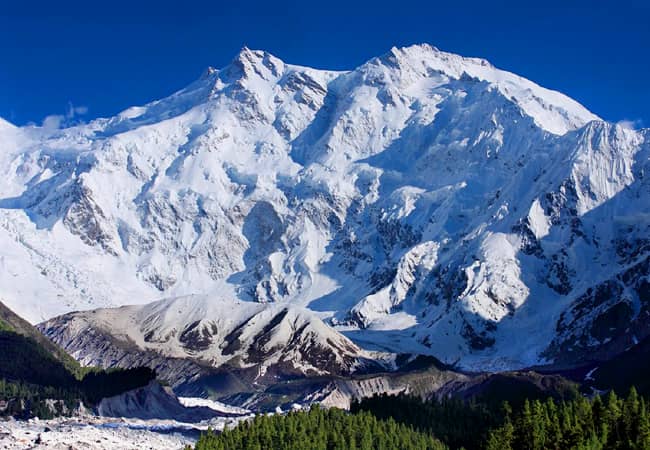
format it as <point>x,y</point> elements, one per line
<point>38,378</point>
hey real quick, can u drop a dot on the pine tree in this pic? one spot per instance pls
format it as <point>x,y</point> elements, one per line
<point>643,437</point>
<point>613,415</point>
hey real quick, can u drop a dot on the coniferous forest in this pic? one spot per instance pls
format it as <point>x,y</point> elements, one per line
<point>610,423</point>
<point>319,429</point>
<point>38,381</point>
<point>402,422</point>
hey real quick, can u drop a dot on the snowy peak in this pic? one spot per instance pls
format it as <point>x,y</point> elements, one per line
<point>430,56</point>
<point>252,63</point>
<point>256,75</point>
<point>551,110</point>
<point>422,202</point>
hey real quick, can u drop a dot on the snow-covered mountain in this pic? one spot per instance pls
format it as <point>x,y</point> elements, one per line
<point>421,203</point>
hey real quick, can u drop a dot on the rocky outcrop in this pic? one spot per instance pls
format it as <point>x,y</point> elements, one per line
<point>259,344</point>
<point>152,402</point>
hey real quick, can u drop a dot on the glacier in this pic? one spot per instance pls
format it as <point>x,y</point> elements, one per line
<point>422,203</point>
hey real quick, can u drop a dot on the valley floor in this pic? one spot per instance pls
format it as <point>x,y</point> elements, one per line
<point>100,433</point>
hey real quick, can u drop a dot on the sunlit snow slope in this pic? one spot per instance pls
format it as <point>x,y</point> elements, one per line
<point>423,202</point>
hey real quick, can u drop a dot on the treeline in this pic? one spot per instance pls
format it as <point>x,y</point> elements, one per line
<point>613,423</point>
<point>550,424</point>
<point>457,423</point>
<point>24,359</point>
<point>99,383</point>
<point>22,400</point>
<point>36,382</point>
<point>11,322</point>
<point>319,429</point>
<point>403,422</point>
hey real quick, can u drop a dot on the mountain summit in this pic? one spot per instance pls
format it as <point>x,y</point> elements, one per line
<point>423,203</point>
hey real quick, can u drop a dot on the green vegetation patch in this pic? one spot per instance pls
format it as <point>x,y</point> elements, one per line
<point>613,423</point>
<point>404,422</point>
<point>319,429</point>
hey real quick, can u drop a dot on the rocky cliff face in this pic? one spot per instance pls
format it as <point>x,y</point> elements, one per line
<point>422,203</point>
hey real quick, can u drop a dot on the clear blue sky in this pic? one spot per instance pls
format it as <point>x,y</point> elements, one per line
<point>106,56</point>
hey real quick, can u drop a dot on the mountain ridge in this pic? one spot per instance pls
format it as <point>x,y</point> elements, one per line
<point>422,203</point>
